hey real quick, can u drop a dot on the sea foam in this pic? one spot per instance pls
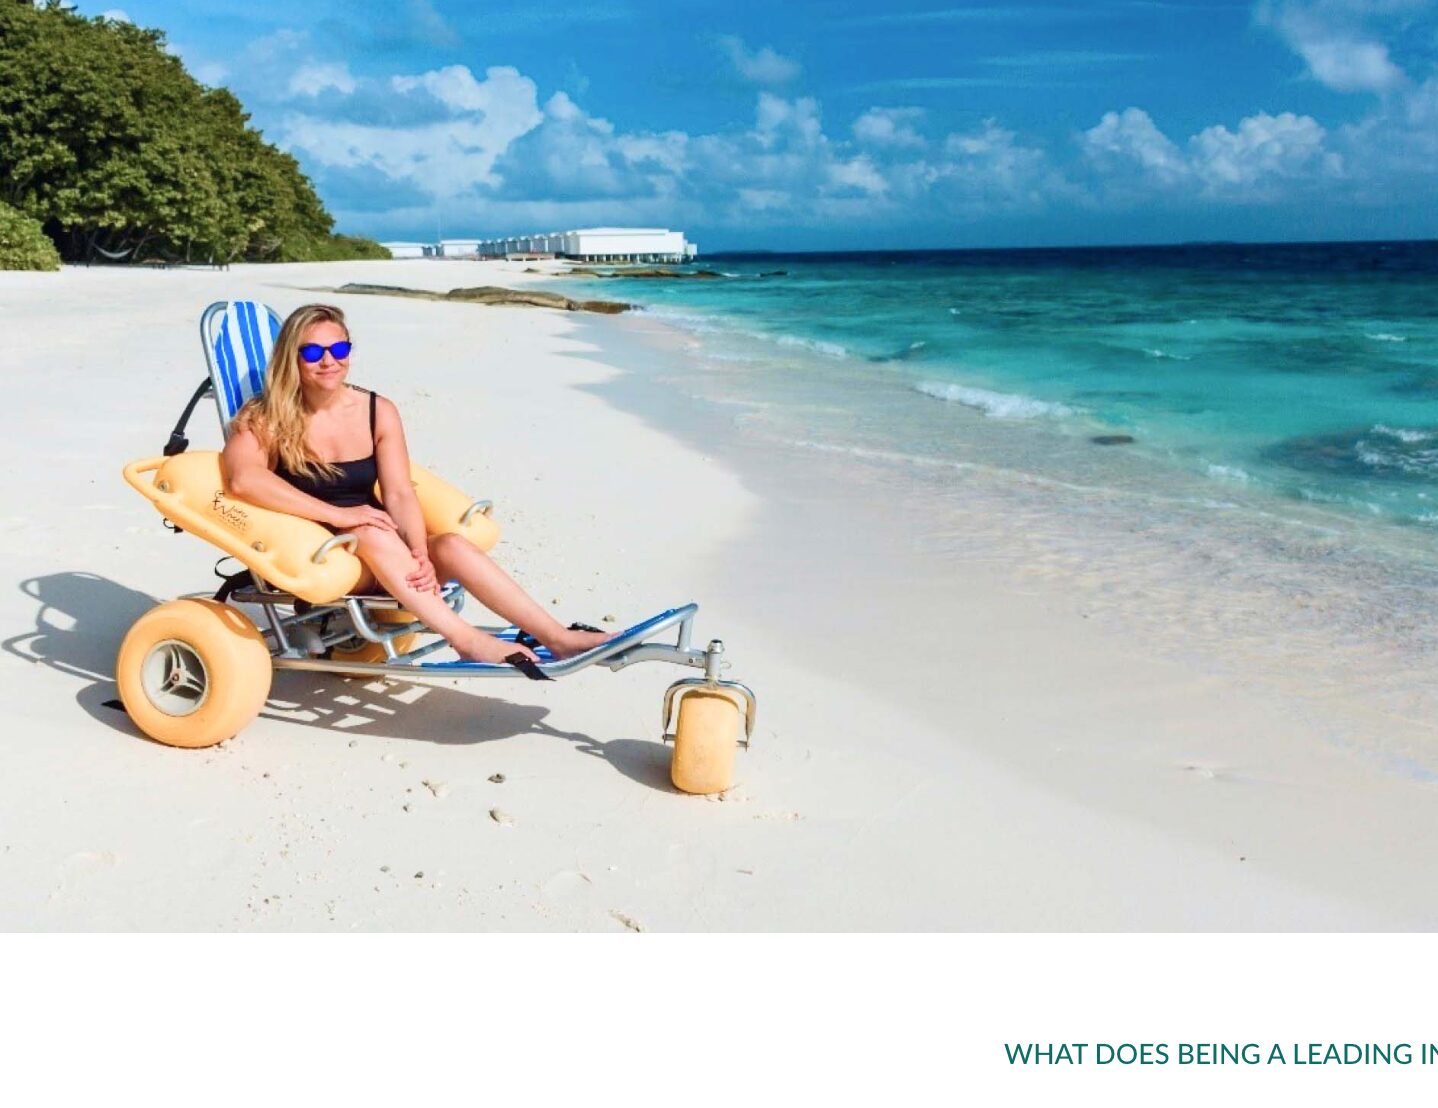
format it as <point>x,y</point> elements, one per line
<point>829,349</point>
<point>1403,434</point>
<point>996,405</point>
<point>1228,473</point>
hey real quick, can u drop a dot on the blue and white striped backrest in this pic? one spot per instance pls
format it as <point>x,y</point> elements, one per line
<point>238,337</point>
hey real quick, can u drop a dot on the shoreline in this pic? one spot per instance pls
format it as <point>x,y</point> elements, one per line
<point>1337,601</point>
<point>935,750</point>
<point>1293,754</point>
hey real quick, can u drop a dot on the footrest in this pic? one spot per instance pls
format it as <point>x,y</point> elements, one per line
<point>626,640</point>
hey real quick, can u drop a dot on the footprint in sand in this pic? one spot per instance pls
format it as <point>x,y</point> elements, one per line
<point>628,921</point>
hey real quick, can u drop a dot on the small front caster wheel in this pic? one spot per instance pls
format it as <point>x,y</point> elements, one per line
<point>705,740</point>
<point>193,672</point>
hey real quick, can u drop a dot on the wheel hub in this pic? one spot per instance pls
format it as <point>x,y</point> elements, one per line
<point>175,678</point>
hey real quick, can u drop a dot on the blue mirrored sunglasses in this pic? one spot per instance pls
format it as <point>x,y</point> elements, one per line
<point>313,351</point>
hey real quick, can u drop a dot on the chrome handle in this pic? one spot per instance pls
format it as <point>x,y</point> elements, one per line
<point>483,507</point>
<point>349,542</point>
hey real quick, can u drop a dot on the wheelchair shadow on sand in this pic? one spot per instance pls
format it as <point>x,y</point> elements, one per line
<point>81,619</point>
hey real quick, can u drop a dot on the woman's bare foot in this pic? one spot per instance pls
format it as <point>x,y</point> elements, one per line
<point>569,643</point>
<point>482,647</point>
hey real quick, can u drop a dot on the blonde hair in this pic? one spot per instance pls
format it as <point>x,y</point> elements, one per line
<point>277,416</point>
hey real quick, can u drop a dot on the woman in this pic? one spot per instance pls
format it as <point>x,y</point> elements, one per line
<point>286,452</point>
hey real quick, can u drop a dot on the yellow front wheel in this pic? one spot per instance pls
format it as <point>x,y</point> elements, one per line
<point>705,740</point>
<point>192,673</point>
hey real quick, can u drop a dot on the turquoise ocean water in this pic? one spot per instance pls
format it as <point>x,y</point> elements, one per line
<point>1265,489</point>
<point>1306,371</point>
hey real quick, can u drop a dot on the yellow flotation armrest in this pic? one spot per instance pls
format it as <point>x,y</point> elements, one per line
<point>448,511</point>
<point>285,550</point>
<point>293,554</point>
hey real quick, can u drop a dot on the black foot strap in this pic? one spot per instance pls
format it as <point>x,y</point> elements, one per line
<point>524,638</point>
<point>527,667</point>
<point>230,582</point>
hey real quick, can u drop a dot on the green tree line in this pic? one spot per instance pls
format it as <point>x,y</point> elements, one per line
<point>120,154</point>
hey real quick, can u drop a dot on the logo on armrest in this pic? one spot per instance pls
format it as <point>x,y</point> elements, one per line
<point>231,515</point>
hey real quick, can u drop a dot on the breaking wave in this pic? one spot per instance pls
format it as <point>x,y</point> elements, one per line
<point>828,349</point>
<point>995,405</point>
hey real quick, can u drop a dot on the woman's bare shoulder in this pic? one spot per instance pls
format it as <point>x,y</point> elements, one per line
<point>385,411</point>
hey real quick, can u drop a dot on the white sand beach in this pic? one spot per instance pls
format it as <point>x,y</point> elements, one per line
<point>939,746</point>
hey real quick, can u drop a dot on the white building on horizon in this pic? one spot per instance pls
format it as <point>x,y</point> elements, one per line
<point>409,249</point>
<point>597,244</point>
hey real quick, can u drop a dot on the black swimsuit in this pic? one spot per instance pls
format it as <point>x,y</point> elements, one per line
<point>354,484</point>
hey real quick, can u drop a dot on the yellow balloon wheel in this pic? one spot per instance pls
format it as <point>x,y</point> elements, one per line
<point>192,673</point>
<point>705,741</point>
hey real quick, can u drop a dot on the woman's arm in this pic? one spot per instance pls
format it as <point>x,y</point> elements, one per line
<point>248,476</point>
<point>396,489</point>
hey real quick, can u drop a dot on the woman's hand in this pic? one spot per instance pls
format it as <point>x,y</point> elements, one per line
<point>422,578</point>
<point>362,515</point>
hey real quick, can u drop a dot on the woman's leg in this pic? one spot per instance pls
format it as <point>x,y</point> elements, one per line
<point>387,557</point>
<point>456,558</point>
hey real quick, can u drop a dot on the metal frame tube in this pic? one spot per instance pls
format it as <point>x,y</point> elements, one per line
<point>613,657</point>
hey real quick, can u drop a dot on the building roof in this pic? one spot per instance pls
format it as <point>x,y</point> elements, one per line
<point>617,231</point>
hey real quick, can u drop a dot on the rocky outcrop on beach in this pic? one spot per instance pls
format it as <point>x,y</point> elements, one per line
<point>493,294</point>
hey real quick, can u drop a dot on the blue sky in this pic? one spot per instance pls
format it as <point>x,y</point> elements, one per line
<point>808,125</point>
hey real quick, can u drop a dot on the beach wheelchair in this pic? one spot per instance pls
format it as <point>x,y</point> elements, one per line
<point>194,672</point>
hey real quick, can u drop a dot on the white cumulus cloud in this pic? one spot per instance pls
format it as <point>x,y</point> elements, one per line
<point>779,120</point>
<point>325,77</point>
<point>992,170</point>
<point>1263,147</point>
<point>1132,155</point>
<point>1336,40</point>
<point>760,67</point>
<point>1130,139</point>
<point>889,127</point>
<point>446,157</point>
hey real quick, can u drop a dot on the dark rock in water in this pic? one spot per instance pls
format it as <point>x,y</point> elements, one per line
<point>692,274</point>
<point>1111,440</point>
<point>913,350</point>
<point>775,273</point>
<point>492,294</point>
